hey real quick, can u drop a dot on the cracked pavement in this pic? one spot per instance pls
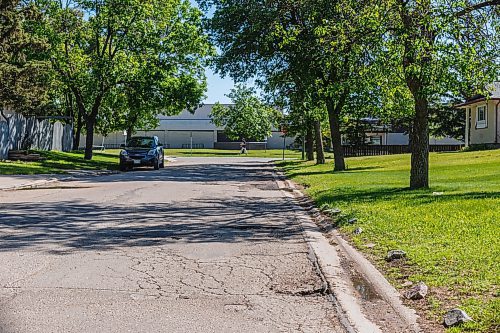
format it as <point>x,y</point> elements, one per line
<point>205,245</point>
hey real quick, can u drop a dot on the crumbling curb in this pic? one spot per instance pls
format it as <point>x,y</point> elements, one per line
<point>331,269</point>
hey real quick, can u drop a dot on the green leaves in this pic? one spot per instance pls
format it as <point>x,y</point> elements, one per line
<point>249,118</point>
<point>125,61</point>
<point>24,70</point>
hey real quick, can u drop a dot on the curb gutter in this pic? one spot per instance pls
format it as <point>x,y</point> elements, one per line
<point>349,308</point>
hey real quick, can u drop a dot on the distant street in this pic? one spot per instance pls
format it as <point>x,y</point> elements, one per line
<point>204,245</point>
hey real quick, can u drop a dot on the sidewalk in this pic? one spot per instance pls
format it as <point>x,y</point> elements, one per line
<point>12,182</point>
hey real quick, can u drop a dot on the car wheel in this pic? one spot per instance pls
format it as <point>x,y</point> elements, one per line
<point>162,164</point>
<point>123,167</point>
<point>157,164</point>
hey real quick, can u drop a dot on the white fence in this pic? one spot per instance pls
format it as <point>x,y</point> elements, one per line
<point>37,134</point>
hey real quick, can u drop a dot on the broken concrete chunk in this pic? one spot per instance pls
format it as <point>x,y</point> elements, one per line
<point>407,284</point>
<point>455,317</point>
<point>395,254</point>
<point>417,292</point>
<point>358,231</point>
<point>352,221</point>
<point>370,245</point>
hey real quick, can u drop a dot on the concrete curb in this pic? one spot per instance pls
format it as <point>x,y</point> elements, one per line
<point>380,283</point>
<point>71,175</point>
<point>329,261</point>
<point>28,185</point>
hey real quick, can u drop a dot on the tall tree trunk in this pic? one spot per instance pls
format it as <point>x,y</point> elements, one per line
<point>334,119</point>
<point>89,139</point>
<point>309,141</point>
<point>320,153</point>
<point>90,124</point>
<point>130,128</point>
<point>419,145</point>
<point>77,132</point>
<point>419,55</point>
<point>80,107</point>
<point>130,131</point>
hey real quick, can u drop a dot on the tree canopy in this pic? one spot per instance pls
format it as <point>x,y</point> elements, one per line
<point>145,57</point>
<point>24,72</point>
<point>396,56</point>
<point>444,47</point>
<point>249,118</point>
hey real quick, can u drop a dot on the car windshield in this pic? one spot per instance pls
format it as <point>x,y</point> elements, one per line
<point>140,142</point>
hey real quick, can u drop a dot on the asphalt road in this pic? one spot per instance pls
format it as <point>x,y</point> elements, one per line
<point>205,245</point>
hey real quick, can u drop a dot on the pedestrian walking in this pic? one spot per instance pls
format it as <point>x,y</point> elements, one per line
<point>243,146</point>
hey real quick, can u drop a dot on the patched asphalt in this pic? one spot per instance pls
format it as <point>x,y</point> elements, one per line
<point>204,245</point>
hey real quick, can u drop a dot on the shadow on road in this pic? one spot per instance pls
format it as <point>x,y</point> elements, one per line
<point>75,225</point>
<point>70,225</point>
<point>203,172</point>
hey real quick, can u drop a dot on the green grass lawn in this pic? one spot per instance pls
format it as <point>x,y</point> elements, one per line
<point>452,239</point>
<point>270,153</point>
<point>59,162</point>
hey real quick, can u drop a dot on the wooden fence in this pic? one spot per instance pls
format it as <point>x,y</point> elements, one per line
<point>351,151</point>
<point>19,131</point>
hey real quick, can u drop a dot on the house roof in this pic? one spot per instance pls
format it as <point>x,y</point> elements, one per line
<point>494,94</point>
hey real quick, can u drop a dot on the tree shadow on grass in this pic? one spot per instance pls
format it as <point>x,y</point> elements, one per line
<point>57,160</point>
<point>331,172</point>
<point>415,197</point>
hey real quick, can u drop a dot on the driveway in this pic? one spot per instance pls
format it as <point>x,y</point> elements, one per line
<point>205,245</point>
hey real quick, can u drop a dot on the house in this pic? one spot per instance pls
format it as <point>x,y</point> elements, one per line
<point>483,118</point>
<point>194,130</point>
<point>379,134</point>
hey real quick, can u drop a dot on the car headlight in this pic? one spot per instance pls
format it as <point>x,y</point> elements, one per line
<point>123,153</point>
<point>152,152</point>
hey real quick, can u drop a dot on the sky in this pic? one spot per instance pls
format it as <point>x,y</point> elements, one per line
<point>218,87</point>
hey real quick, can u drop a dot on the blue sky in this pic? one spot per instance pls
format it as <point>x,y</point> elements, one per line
<point>217,87</point>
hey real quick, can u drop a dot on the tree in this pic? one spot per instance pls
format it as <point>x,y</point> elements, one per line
<point>446,121</point>
<point>438,39</point>
<point>324,45</point>
<point>99,47</point>
<point>249,118</point>
<point>24,71</point>
<point>318,138</point>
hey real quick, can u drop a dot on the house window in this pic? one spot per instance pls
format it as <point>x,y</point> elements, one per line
<point>481,117</point>
<point>375,140</point>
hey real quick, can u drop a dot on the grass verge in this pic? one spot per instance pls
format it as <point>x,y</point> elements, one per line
<point>270,153</point>
<point>59,162</point>
<point>450,232</point>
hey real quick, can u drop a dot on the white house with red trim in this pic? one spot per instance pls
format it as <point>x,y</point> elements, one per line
<point>483,118</point>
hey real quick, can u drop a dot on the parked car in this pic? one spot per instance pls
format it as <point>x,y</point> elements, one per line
<point>142,151</point>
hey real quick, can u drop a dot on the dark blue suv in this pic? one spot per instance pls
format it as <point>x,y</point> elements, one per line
<point>142,151</point>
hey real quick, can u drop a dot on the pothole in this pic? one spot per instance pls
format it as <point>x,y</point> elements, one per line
<point>304,292</point>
